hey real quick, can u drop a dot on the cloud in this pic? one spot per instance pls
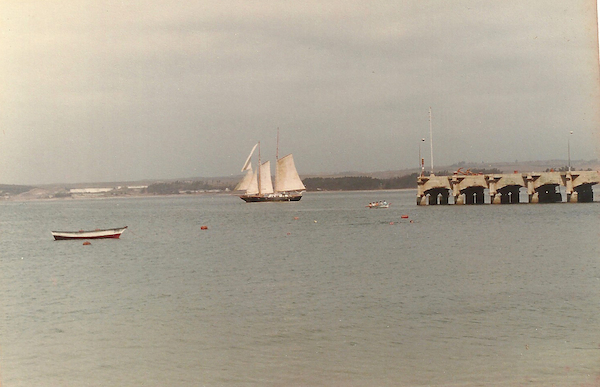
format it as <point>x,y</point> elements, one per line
<point>166,89</point>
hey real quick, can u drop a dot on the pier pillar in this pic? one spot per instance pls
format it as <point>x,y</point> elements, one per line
<point>432,200</point>
<point>569,187</point>
<point>444,198</point>
<point>572,197</point>
<point>492,188</point>
<point>534,198</point>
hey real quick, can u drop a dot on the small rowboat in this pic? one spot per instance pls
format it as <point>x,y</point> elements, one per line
<point>94,234</point>
<point>379,204</point>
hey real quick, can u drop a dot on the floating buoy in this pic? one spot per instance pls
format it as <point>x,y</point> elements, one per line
<point>392,223</point>
<point>204,228</point>
<point>404,216</point>
<point>315,221</point>
<point>295,218</point>
<point>87,243</point>
<point>289,233</point>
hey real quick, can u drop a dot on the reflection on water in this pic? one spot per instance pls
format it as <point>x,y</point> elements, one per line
<point>323,292</point>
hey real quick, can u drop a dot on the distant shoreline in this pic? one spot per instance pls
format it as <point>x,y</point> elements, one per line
<point>341,182</point>
<point>19,198</point>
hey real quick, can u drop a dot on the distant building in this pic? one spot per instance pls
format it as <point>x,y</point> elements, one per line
<point>89,191</point>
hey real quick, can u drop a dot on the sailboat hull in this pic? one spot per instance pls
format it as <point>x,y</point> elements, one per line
<point>271,198</point>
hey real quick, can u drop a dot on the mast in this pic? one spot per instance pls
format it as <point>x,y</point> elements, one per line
<point>431,139</point>
<point>277,160</point>
<point>259,165</point>
<point>277,149</point>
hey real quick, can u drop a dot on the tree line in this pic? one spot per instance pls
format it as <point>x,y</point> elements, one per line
<point>349,183</point>
<point>344,183</point>
<point>176,187</point>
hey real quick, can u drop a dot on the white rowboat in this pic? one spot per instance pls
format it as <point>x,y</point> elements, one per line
<point>93,234</point>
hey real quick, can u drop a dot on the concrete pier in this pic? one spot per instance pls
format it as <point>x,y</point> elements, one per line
<point>541,187</point>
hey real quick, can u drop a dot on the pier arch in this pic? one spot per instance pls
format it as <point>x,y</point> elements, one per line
<point>547,193</point>
<point>468,189</point>
<point>437,196</point>
<point>583,193</point>
<point>544,187</point>
<point>579,185</point>
<point>504,188</point>
<point>433,190</point>
<point>508,195</point>
<point>472,195</point>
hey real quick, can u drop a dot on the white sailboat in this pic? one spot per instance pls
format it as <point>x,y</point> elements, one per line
<point>259,186</point>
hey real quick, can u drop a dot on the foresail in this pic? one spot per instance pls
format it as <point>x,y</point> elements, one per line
<point>247,164</point>
<point>252,188</point>
<point>286,176</point>
<point>266,184</point>
<point>246,180</point>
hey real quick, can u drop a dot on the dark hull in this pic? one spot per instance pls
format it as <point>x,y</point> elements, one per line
<point>63,238</point>
<point>262,199</point>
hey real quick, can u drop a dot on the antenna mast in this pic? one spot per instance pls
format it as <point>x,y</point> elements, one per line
<point>431,139</point>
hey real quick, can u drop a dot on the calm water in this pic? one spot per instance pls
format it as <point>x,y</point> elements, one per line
<point>323,292</point>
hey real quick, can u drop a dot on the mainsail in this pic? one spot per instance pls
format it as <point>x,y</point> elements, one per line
<point>266,185</point>
<point>286,175</point>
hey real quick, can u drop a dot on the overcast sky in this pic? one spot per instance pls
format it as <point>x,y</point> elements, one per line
<point>130,90</point>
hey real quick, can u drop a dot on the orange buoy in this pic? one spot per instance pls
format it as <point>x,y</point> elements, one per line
<point>392,223</point>
<point>87,243</point>
<point>404,216</point>
<point>295,218</point>
<point>204,228</point>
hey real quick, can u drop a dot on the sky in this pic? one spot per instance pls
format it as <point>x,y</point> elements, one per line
<point>111,90</point>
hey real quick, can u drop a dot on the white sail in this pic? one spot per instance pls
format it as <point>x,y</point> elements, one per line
<point>266,184</point>
<point>252,188</point>
<point>286,176</point>
<point>246,180</point>
<point>247,164</point>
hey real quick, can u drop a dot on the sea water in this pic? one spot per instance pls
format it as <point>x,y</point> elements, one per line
<point>322,292</point>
